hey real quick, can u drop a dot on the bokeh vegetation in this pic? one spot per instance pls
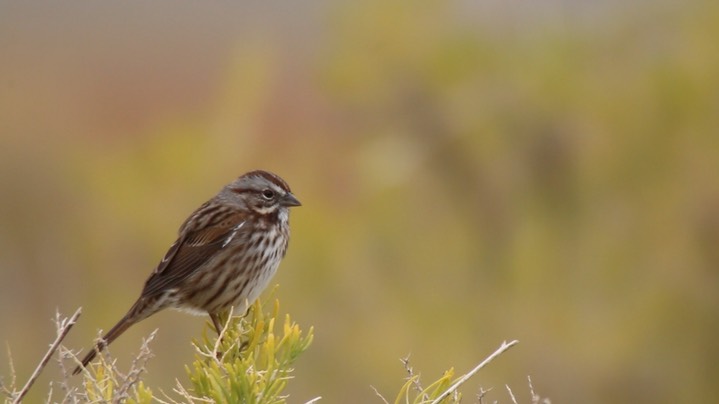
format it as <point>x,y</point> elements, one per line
<point>469,174</point>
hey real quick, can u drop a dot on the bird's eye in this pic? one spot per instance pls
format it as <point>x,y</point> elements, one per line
<point>268,194</point>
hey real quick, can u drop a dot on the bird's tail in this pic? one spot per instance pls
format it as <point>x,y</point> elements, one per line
<point>111,335</point>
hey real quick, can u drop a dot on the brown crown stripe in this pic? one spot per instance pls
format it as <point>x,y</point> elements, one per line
<point>270,177</point>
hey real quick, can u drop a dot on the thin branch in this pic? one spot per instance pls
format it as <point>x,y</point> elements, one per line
<point>514,400</point>
<point>66,325</point>
<point>49,394</point>
<point>505,346</point>
<point>536,399</point>
<point>8,390</point>
<point>314,400</point>
<point>482,393</point>
<point>163,401</point>
<point>379,394</point>
<point>180,389</point>
<point>136,368</point>
<point>415,380</point>
<point>221,334</point>
<point>64,353</point>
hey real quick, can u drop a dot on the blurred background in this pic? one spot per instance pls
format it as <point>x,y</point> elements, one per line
<point>470,172</point>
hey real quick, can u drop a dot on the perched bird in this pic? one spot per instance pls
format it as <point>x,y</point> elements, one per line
<point>225,255</point>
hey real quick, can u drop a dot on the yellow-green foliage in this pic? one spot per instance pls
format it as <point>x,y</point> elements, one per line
<point>104,383</point>
<point>252,362</point>
<point>412,392</point>
<point>143,395</point>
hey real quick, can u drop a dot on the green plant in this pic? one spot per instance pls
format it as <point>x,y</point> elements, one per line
<point>249,362</point>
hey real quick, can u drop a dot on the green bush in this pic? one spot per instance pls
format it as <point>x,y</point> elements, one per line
<point>250,362</point>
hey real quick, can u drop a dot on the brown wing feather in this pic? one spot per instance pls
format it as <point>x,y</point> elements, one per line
<point>189,252</point>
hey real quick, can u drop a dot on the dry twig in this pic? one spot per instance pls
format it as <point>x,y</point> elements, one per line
<point>511,394</point>
<point>481,394</point>
<point>415,380</point>
<point>505,346</point>
<point>65,326</point>
<point>379,395</point>
<point>8,390</point>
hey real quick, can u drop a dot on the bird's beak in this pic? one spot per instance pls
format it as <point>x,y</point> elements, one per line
<point>290,200</point>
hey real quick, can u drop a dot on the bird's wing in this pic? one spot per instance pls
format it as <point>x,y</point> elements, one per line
<point>191,251</point>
